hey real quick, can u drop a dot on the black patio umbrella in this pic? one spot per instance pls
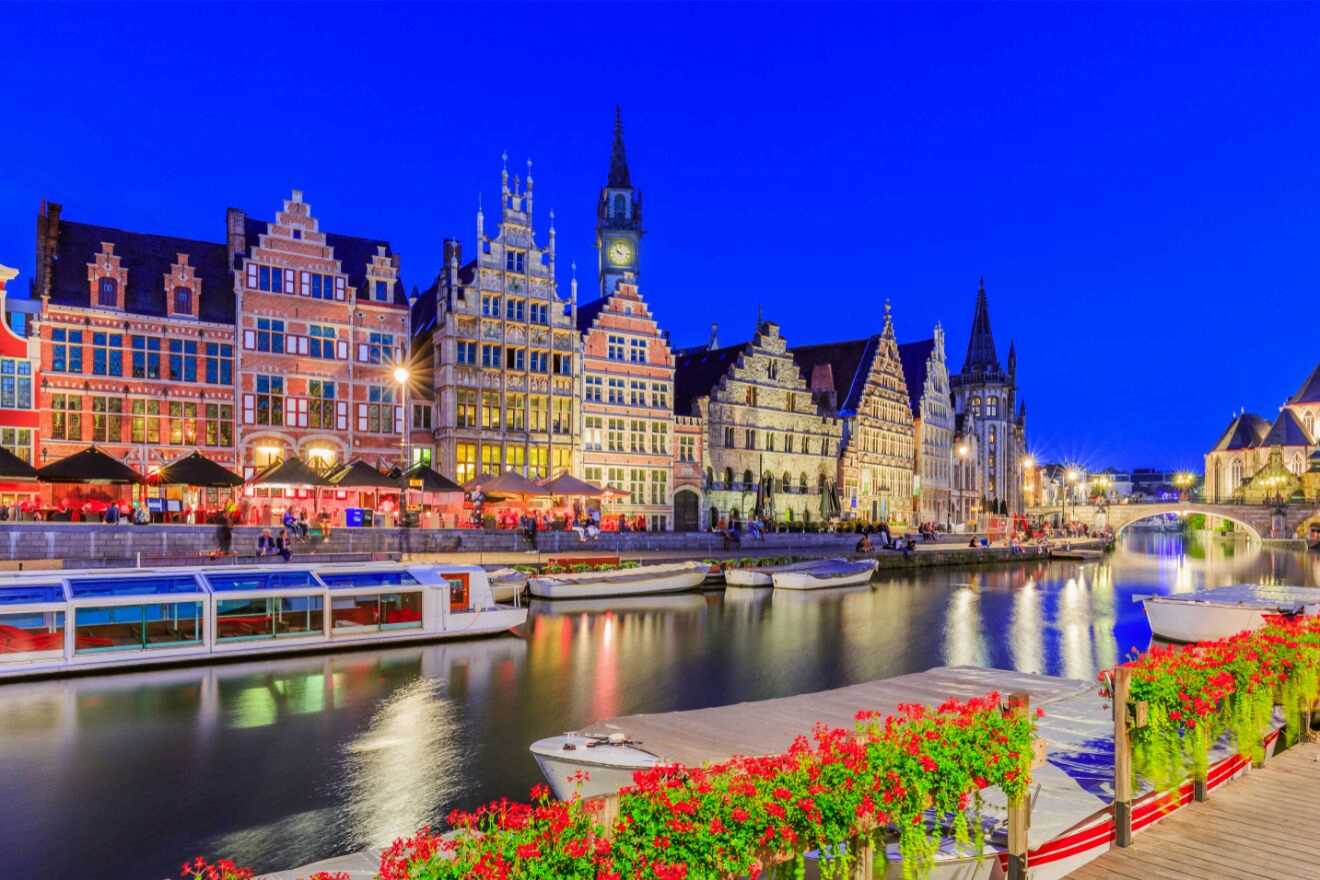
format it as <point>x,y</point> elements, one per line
<point>89,466</point>
<point>291,474</point>
<point>197,470</point>
<point>14,468</point>
<point>421,478</point>
<point>360,475</point>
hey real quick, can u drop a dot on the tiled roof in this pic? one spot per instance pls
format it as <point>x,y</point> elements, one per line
<point>697,372</point>
<point>1286,431</point>
<point>354,255</point>
<point>1310,390</point>
<point>849,363</point>
<point>1244,432</point>
<point>915,356</point>
<point>148,259</point>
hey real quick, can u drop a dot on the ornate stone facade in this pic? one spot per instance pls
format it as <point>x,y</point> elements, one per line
<point>965,491</point>
<point>507,353</point>
<point>768,448</point>
<point>983,388</point>
<point>862,383</point>
<point>927,374</point>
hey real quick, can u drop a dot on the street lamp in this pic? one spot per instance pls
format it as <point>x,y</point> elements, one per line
<point>402,376</point>
<point>1184,482</point>
<point>1029,484</point>
<point>1073,477</point>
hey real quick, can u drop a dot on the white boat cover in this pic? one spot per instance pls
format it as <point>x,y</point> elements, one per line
<point>1266,598</point>
<point>832,568</point>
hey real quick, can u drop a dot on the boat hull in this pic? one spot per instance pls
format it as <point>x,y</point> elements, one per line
<point>636,582</point>
<point>607,768</point>
<point>809,580</point>
<point>1175,621</point>
<point>747,577</point>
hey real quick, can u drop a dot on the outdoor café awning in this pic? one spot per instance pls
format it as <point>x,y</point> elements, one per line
<point>14,468</point>
<point>89,466</point>
<point>360,475</point>
<point>196,469</point>
<point>291,474</point>
<point>420,478</point>
<point>513,483</point>
<point>566,484</point>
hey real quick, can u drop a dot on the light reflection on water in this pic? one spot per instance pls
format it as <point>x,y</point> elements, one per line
<point>282,762</point>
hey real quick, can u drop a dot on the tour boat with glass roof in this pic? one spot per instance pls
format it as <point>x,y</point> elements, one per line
<point>73,621</point>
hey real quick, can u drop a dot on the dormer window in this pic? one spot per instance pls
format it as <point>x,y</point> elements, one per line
<point>107,292</point>
<point>297,234</point>
<point>382,291</point>
<point>183,301</point>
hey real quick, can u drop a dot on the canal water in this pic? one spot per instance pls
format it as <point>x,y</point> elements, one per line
<point>280,763</point>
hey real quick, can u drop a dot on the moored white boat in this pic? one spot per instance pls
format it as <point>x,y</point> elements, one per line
<point>762,575</point>
<point>830,573</point>
<point>1206,615</point>
<point>674,577</point>
<point>507,583</point>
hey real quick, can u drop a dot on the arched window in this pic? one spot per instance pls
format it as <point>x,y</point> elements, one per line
<point>786,482</point>
<point>183,300</point>
<point>1296,464</point>
<point>976,406</point>
<point>748,483</point>
<point>728,478</point>
<point>107,292</point>
<point>620,205</point>
<point>820,484</point>
<point>751,395</point>
<point>788,442</point>
<point>1235,475</point>
<point>710,478</point>
<point>802,483</point>
<point>1308,422</point>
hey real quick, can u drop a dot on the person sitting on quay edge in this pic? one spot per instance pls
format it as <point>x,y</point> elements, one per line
<point>864,544</point>
<point>283,545</point>
<point>265,543</point>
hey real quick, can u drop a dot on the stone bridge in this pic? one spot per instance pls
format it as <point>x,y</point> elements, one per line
<point>1260,520</point>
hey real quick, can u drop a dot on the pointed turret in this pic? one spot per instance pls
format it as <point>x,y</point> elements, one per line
<point>619,178</point>
<point>981,354</point>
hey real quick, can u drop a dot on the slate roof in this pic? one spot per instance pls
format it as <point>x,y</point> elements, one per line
<point>915,356</point>
<point>849,362</point>
<point>1286,431</point>
<point>586,314</point>
<point>981,354</point>
<point>148,259</point>
<point>1245,432</point>
<point>697,371</point>
<point>354,255</point>
<point>1310,390</point>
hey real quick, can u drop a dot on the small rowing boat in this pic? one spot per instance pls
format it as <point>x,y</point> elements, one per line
<point>1206,615</point>
<point>507,583</point>
<point>642,580</point>
<point>826,573</point>
<point>763,575</point>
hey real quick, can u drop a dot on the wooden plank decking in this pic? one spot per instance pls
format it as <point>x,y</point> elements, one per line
<point>1261,827</point>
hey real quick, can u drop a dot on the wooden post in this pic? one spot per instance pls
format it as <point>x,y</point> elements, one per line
<point>1019,809</point>
<point>863,866</point>
<point>1121,685</point>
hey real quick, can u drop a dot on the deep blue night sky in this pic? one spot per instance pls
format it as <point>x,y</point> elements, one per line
<point>1137,184</point>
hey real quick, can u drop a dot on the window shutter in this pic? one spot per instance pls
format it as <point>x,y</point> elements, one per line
<point>339,288</point>
<point>249,408</point>
<point>362,352</point>
<point>288,281</point>
<point>341,349</point>
<point>362,417</point>
<point>303,345</point>
<point>398,420</point>
<point>290,412</point>
<point>306,284</point>
<point>302,412</point>
<point>249,339</point>
<point>341,414</point>
<point>252,275</point>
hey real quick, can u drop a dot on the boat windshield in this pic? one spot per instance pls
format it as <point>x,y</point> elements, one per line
<point>342,580</point>
<point>160,585</point>
<point>261,580</point>
<point>31,594</point>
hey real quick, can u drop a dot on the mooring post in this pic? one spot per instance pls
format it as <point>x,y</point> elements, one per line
<point>1121,685</point>
<point>1019,809</point>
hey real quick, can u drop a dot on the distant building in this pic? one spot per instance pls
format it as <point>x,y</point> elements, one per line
<point>768,448</point>
<point>862,383</point>
<point>927,373</point>
<point>1245,448</point>
<point>504,349</point>
<point>20,362</point>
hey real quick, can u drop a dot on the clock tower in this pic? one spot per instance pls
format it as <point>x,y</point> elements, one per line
<point>618,219</point>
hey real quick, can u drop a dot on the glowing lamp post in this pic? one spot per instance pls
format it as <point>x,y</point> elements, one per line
<point>401,376</point>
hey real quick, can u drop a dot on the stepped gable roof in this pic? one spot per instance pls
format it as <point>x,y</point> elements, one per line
<point>586,314</point>
<point>1286,431</point>
<point>981,354</point>
<point>915,356</point>
<point>697,371</point>
<point>1310,390</point>
<point>148,259</point>
<point>849,364</point>
<point>1244,432</point>
<point>353,253</point>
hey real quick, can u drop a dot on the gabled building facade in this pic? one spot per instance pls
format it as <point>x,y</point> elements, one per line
<point>769,450</point>
<point>20,367</point>
<point>861,382</point>
<point>927,374</point>
<point>627,367</point>
<point>966,493</point>
<point>506,351</point>
<point>989,392</point>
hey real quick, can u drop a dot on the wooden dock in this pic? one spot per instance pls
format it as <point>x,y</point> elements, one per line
<point>1259,827</point>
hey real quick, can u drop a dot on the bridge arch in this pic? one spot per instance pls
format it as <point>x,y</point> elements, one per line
<point>1145,512</point>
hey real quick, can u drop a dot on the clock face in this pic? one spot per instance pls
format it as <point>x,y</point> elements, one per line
<point>620,252</point>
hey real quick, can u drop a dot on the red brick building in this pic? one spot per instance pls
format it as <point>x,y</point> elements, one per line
<point>19,367</point>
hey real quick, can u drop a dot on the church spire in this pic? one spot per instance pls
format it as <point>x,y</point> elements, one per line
<point>619,177</point>
<point>981,354</point>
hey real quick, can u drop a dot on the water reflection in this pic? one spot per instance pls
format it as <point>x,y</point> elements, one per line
<point>283,762</point>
